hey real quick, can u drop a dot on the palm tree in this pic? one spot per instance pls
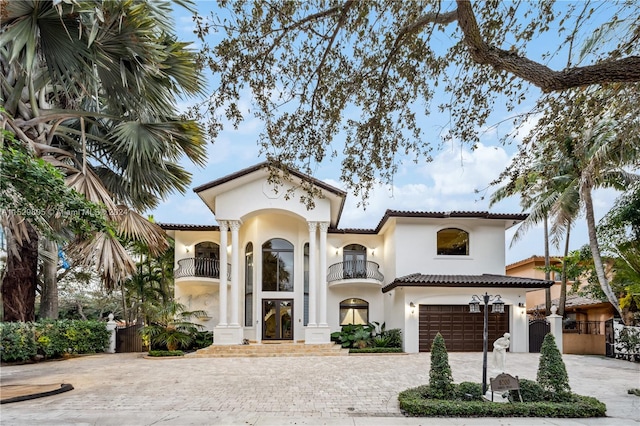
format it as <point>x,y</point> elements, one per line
<point>601,154</point>
<point>533,186</point>
<point>89,86</point>
<point>170,325</point>
<point>574,167</point>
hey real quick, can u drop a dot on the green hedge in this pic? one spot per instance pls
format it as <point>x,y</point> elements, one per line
<point>375,350</point>
<point>415,402</point>
<point>165,353</point>
<point>51,339</point>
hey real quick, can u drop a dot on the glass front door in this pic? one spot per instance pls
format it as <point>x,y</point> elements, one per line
<point>277,319</point>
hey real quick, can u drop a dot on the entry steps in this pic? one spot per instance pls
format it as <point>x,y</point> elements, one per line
<point>270,349</point>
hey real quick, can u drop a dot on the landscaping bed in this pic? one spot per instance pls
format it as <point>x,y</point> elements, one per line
<point>548,396</point>
<point>415,402</point>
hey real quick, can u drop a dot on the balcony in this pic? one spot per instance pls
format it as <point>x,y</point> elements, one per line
<point>354,272</point>
<point>205,270</point>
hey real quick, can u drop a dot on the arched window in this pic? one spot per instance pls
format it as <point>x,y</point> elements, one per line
<point>248,285</point>
<point>207,261</point>
<point>354,261</point>
<point>354,311</point>
<point>277,265</point>
<point>453,241</point>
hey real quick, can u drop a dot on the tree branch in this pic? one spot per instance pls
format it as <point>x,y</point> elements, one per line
<point>612,71</point>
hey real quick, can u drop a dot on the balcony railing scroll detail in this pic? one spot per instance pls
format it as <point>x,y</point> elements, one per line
<point>200,267</point>
<point>353,270</point>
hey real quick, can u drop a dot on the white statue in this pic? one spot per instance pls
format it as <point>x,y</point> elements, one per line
<point>500,347</point>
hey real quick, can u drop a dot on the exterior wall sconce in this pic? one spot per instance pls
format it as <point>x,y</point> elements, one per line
<point>187,248</point>
<point>413,307</point>
<point>373,252</point>
<point>520,305</point>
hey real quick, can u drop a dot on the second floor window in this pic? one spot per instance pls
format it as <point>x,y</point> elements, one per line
<point>453,242</point>
<point>277,265</point>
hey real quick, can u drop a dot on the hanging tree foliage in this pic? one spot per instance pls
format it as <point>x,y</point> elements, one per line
<point>366,72</point>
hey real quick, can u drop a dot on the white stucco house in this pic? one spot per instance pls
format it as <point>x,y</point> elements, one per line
<point>273,269</point>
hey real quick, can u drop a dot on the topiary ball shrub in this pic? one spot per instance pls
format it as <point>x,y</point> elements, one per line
<point>440,378</point>
<point>552,373</point>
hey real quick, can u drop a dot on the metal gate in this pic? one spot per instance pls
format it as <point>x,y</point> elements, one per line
<point>128,339</point>
<point>537,330</point>
<point>610,339</point>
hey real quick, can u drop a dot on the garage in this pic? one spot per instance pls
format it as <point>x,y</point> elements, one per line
<point>462,331</point>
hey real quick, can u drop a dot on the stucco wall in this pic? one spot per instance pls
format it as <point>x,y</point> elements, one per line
<point>416,249</point>
<point>257,195</point>
<point>583,344</point>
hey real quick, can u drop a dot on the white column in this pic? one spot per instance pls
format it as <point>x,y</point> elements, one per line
<point>313,293</point>
<point>224,227</point>
<point>235,264</point>
<point>555,321</point>
<point>323,273</point>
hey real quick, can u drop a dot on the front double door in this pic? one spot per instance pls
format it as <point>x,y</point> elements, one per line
<point>277,319</point>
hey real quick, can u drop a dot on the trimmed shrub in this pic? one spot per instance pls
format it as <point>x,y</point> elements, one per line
<point>468,391</point>
<point>552,373</point>
<point>413,403</point>
<point>378,350</point>
<point>165,353</point>
<point>17,341</point>
<point>531,392</point>
<point>57,338</point>
<point>440,378</point>
<point>52,339</point>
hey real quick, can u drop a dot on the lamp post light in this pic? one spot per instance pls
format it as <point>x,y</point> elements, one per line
<point>496,308</point>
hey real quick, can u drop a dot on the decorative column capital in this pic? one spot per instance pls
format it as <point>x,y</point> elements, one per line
<point>235,225</point>
<point>324,226</point>
<point>312,226</point>
<point>223,225</point>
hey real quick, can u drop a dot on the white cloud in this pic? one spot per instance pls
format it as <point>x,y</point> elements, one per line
<point>460,171</point>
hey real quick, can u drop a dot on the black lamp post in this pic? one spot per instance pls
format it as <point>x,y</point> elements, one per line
<point>497,308</point>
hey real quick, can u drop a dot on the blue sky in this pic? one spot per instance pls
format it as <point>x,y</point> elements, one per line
<point>447,183</point>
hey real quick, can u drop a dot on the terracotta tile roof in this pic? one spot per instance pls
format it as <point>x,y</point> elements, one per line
<point>185,227</point>
<point>455,214</point>
<point>484,280</point>
<point>573,301</point>
<point>534,258</point>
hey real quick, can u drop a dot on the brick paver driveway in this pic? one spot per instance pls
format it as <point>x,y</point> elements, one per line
<point>127,389</point>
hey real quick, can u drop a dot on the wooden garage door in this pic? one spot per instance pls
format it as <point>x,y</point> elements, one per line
<point>462,331</point>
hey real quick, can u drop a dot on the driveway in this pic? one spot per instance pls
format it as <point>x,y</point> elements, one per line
<point>127,389</point>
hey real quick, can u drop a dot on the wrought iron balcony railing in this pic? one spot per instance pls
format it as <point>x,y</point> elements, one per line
<point>200,267</point>
<point>353,270</point>
<point>583,327</point>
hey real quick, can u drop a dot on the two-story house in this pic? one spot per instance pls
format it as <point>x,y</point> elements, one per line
<point>274,269</point>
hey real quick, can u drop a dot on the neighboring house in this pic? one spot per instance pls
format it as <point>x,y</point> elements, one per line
<point>584,318</point>
<point>274,270</point>
<point>533,267</point>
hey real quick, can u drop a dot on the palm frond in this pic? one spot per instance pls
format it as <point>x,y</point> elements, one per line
<point>104,252</point>
<point>133,226</point>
